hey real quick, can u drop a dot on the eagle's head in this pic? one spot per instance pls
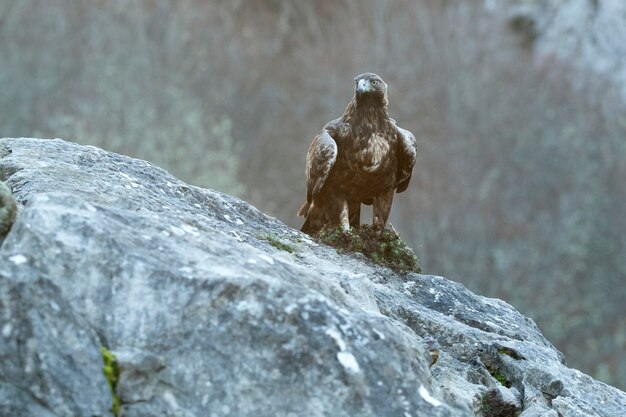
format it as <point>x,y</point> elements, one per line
<point>369,87</point>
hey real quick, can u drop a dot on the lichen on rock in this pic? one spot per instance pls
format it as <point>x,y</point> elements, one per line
<point>206,315</point>
<point>384,248</point>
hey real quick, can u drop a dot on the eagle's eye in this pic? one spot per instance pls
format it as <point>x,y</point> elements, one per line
<point>374,82</point>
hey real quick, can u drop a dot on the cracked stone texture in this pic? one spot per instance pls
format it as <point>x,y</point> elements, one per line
<point>207,318</point>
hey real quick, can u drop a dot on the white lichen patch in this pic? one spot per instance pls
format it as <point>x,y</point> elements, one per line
<point>239,239</point>
<point>379,334</point>
<point>408,286</point>
<point>345,327</point>
<point>177,231</point>
<point>336,336</point>
<point>267,259</point>
<point>189,229</point>
<point>348,361</point>
<point>252,307</point>
<point>132,180</point>
<point>186,269</point>
<point>423,392</point>
<point>437,294</point>
<point>309,241</point>
<point>170,399</point>
<point>7,329</point>
<point>90,208</point>
<point>18,259</point>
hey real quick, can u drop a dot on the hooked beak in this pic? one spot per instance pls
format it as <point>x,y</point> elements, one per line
<point>363,86</point>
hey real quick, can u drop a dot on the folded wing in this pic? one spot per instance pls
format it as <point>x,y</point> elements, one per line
<point>320,159</point>
<point>407,153</point>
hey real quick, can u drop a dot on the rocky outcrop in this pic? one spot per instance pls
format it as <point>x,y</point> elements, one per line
<point>586,36</point>
<point>208,316</point>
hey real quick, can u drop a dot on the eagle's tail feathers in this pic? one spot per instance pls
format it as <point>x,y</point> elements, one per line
<point>314,220</point>
<point>304,209</point>
<point>306,227</point>
<point>312,225</point>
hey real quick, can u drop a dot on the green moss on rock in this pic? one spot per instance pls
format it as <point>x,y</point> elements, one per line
<point>112,373</point>
<point>501,379</point>
<point>277,243</point>
<point>8,209</point>
<point>499,376</point>
<point>386,249</point>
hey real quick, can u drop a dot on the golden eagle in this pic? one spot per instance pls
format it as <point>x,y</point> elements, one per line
<point>361,158</point>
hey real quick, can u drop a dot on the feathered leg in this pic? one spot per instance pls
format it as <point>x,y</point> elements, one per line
<point>344,217</point>
<point>382,208</point>
<point>355,214</point>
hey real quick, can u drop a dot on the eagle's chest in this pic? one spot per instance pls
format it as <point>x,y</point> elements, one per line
<point>370,154</point>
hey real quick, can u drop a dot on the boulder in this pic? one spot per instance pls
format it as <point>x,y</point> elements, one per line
<point>208,316</point>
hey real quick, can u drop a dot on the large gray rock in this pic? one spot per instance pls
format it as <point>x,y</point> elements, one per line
<point>208,318</point>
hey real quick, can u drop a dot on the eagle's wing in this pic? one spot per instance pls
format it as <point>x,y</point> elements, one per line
<point>407,152</point>
<point>320,159</point>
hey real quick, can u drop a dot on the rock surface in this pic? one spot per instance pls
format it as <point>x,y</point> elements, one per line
<point>208,318</point>
<point>585,35</point>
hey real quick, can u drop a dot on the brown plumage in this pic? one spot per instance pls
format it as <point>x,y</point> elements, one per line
<point>361,158</point>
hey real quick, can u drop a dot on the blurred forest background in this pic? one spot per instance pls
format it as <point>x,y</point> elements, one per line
<point>518,106</point>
